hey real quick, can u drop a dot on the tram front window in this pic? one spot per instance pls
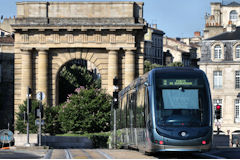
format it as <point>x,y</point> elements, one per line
<point>180,107</point>
<point>181,103</point>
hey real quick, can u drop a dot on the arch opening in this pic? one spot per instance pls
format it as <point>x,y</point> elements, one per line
<point>75,74</point>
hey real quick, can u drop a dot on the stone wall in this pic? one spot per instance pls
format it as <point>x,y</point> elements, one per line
<point>79,9</point>
<point>21,139</point>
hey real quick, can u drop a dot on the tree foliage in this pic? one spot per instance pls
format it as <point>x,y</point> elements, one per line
<point>52,124</point>
<point>148,66</point>
<point>88,110</point>
<point>73,76</point>
<point>176,64</point>
<point>21,125</point>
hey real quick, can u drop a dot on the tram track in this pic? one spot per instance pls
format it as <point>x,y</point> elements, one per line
<point>68,154</point>
<point>83,154</point>
<point>104,154</point>
<point>122,154</point>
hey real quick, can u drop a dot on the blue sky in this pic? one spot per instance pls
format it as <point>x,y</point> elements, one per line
<point>177,18</point>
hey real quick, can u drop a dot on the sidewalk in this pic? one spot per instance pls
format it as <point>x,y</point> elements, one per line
<point>219,152</point>
<point>41,151</point>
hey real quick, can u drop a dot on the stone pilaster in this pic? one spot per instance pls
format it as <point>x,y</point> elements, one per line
<point>42,80</point>
<point>112,68</point>
<point>129,67</point>
<point>140,64</point>
<point>26,78</point>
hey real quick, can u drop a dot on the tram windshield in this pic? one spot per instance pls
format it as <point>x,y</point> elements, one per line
<point>181,100</point>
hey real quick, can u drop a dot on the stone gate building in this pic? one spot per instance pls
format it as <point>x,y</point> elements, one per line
<point>49,34</point>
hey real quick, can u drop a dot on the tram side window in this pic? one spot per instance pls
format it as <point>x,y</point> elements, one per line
<point>131,120</point>
<point>140,107</point>
<point>146,109</point>
<point>133,102</point>
<point>124,111</point>
<point>128,111</point>
<point>119,112</point>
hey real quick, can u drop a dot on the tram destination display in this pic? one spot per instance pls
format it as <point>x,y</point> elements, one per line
<point>179,82</point>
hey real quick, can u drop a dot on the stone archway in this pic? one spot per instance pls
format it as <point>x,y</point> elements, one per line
<point>64,56</point>
<point>79,69</point>
<point>48,34</point>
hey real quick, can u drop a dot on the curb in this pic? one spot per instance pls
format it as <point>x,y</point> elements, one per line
<point>5,148</point>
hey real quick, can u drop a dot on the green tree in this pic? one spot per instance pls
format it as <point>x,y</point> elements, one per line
<point>21,126</point>
<point>86,111</point>
<point>52,124</point>
<point>73,76</point>
<point>148,66</point>
<point>175,64</point>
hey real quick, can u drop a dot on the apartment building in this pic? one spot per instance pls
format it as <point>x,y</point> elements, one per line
<point>180,51</point>
<point>220,59</point>
<point>153,45</point>
<point>224,17</point>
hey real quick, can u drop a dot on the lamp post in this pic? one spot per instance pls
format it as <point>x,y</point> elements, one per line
<point>29,92</point>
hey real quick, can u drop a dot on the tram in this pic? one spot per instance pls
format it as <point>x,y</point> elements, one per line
<point>167,109</point>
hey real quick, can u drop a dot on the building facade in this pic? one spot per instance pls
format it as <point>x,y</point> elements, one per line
<point>220,60</point>
<point>153,45</point>
<point>6,82</point>
<point>223,17</point>
<point>4,33</point>
<point>5,24</point>
<point>180,51</point>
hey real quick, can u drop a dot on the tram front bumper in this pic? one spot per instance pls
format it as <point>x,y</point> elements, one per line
<point>199,148</point>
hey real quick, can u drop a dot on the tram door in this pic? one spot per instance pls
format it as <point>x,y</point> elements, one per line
<point>132,118</point>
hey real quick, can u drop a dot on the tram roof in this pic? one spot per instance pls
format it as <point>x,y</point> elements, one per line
<point>140,80</point>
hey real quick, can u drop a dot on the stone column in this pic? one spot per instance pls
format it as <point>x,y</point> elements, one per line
<point>26,78</point>
<point>42,77</point>
<point>112,68</point>
<point>129,67</point>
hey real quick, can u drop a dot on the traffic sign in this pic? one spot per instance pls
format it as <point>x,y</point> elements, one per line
<point>37,122</point>
<point>6,136</point>
<point>40,96</point>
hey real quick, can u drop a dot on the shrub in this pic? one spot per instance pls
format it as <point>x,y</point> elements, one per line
<point>52,124</point>
<point>88,110</point>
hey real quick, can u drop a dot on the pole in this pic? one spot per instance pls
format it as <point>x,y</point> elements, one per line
<point>115,87</point>
<point>40,124</point>
<point>114,128</point>
<point>28,117</point>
